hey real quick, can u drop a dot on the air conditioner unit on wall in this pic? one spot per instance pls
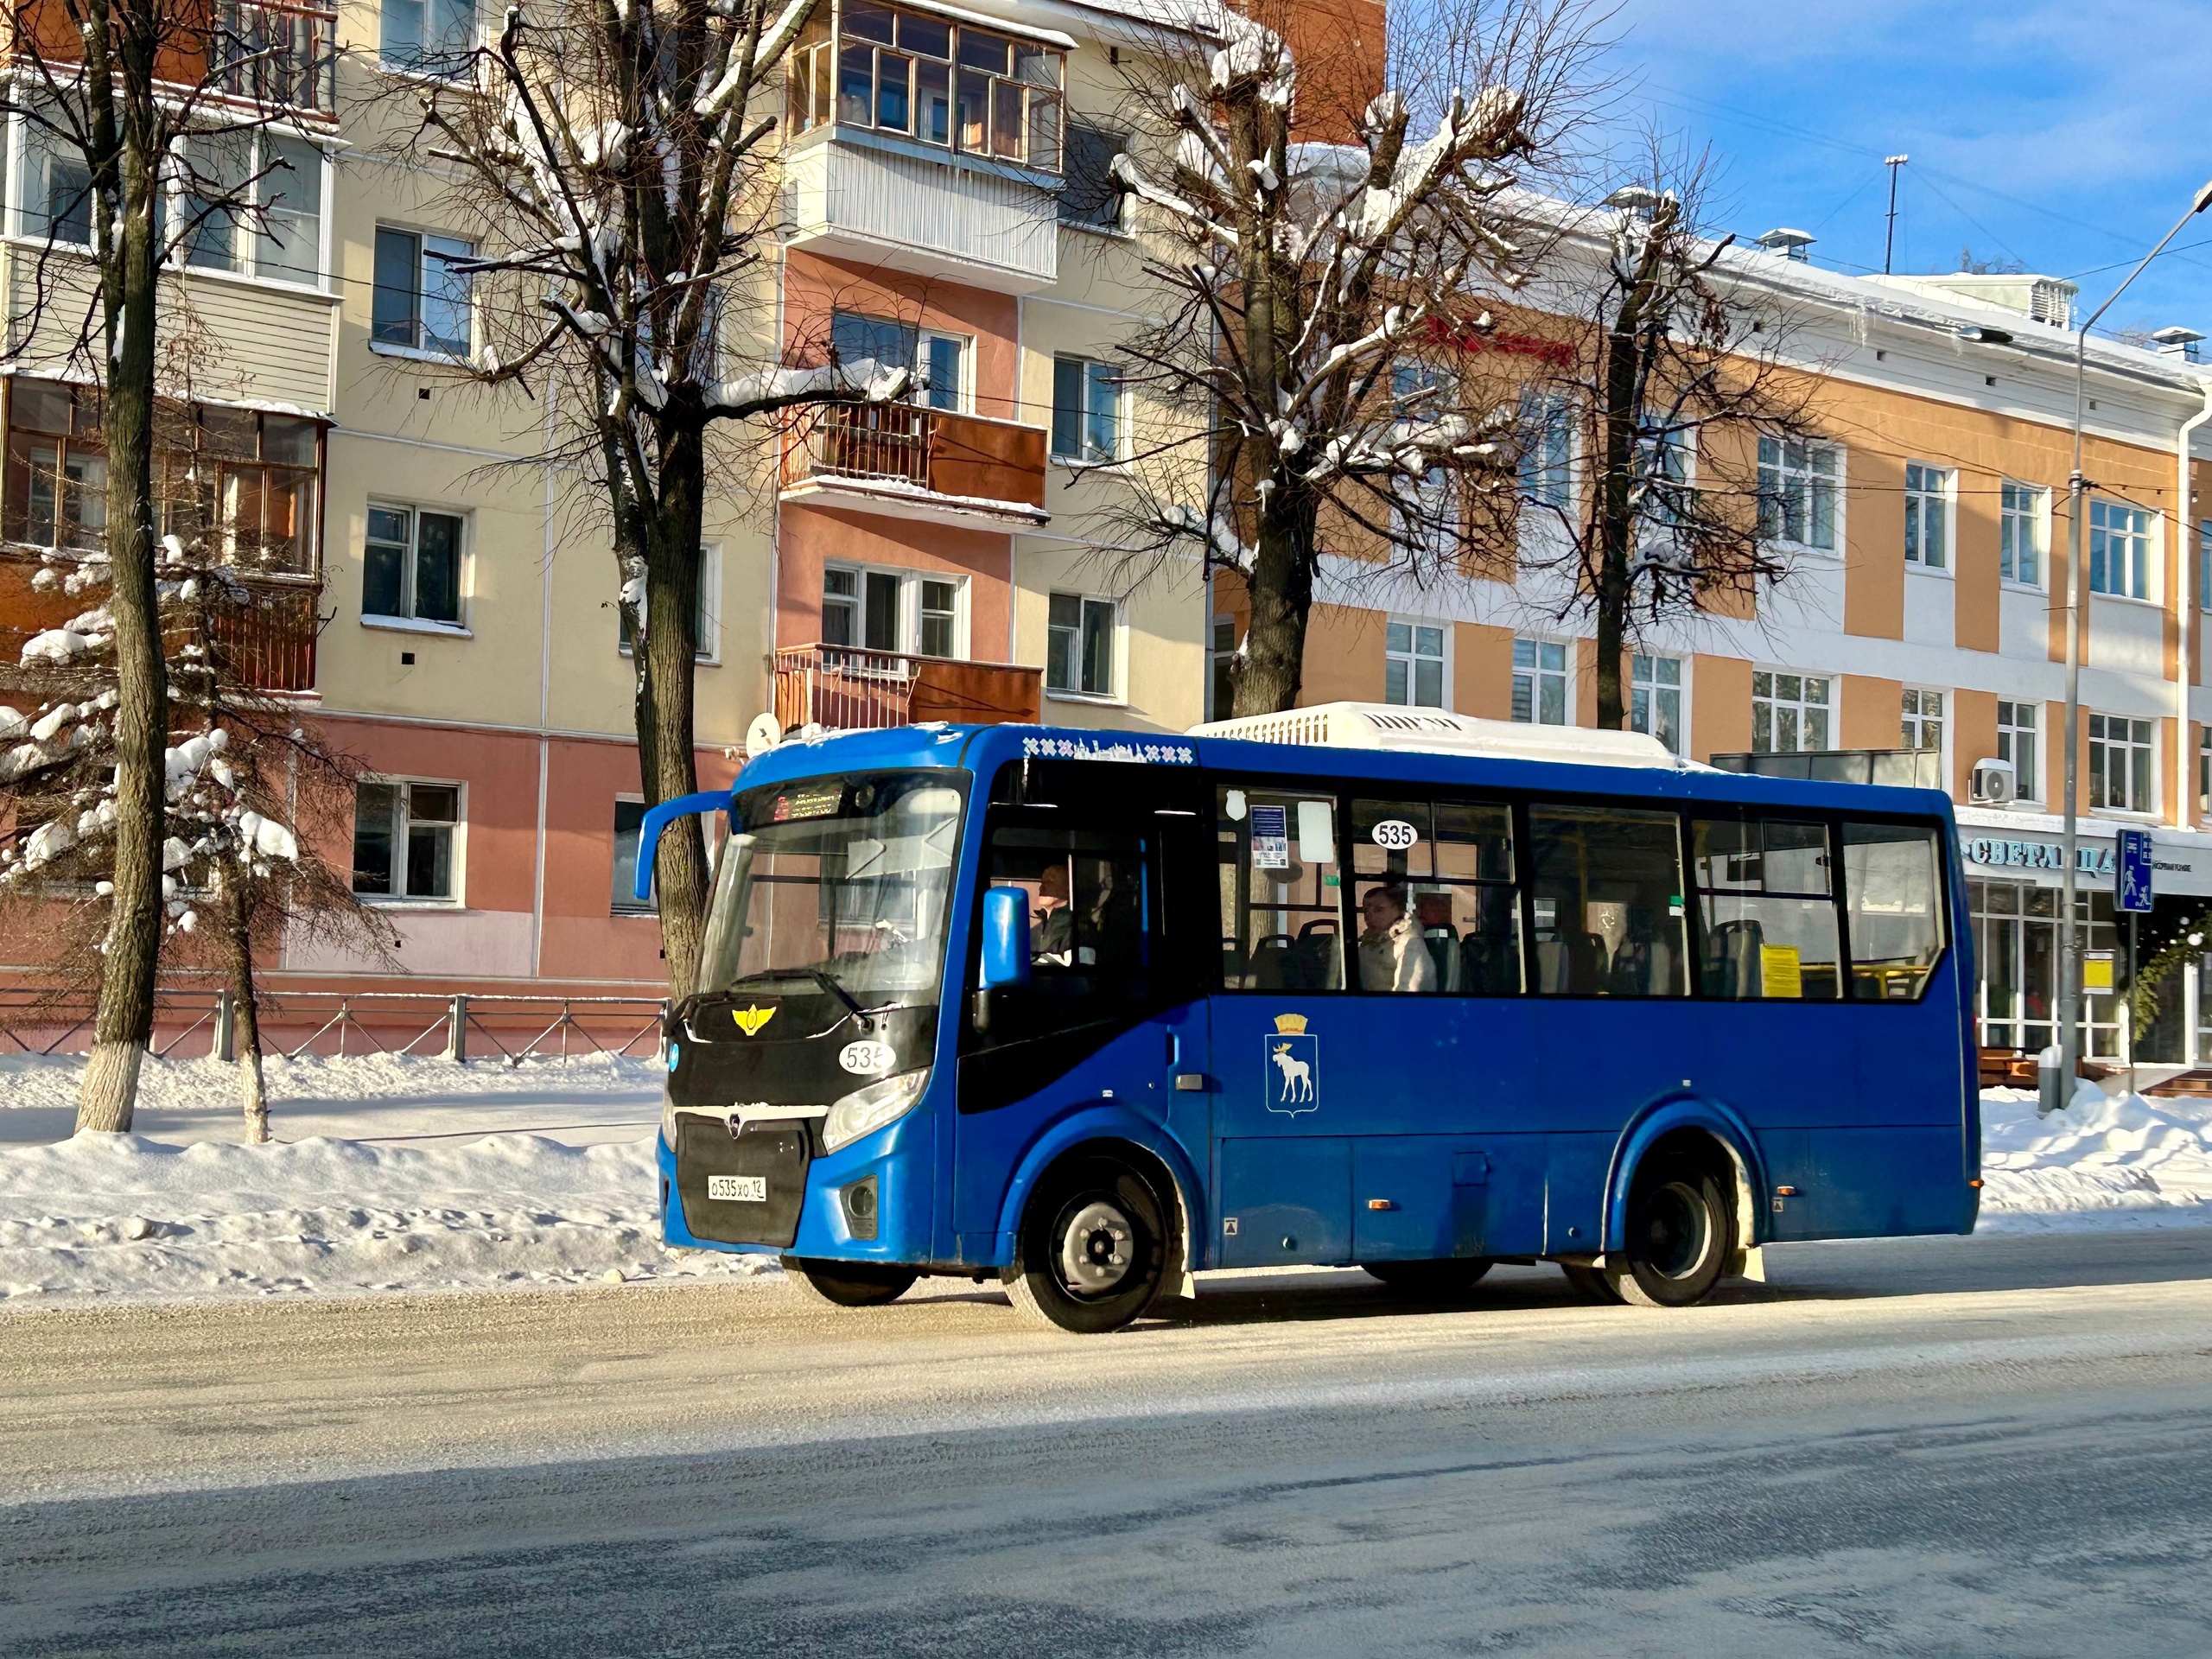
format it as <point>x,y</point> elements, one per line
<point>1994,783</point>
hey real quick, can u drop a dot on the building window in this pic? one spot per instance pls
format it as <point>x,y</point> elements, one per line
<point>2023,533</point>
<point>1223,694</point>
<point>430,37</point>
<point>1540,682</point>
<point>245,478</point>
<point>629,818</point>
<point>1086,409</point>
<point>403,840</point>
<point>2204,770</point>
<point>2204,564</point>
<point>422,302</point>
<point>1655,698</point>
<point>891,610</point>
<point>1789,713</point>
<point>1546,453</point>
<point>412,565</point>
<point>965,88</point>
<point>1666,462</point>
<point>2015,742</point>
<point>1927,516</point>
<point>280,236</point>
<point>940,617</point>
<point>55,191</point>
<point>1091,197</point>
<point>1079,646</point>
<point>1413,664</point>
<point>1923,718</point>
<point>2121,773</point>
<point>2120,549</point>
<point>937,360</point>
<point>1797,491</point>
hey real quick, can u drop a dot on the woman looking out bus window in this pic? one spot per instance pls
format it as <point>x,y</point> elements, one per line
<point>1393,956</point>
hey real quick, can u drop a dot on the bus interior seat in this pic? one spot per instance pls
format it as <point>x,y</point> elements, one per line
<point>1587,961</point>
<point>1317,957</point>
<point>1732,968</point>
<point>1443,950</point>
<point>1274,963</point>
<point>1491,967</point>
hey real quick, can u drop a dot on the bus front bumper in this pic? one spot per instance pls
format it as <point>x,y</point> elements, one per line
<point>861,1203</point>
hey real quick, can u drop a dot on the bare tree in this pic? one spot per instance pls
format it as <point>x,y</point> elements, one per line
<point>616,154</point>
<point>148,101</point>
<point>240,786</point>
<point>1696,426</point>
<point>1318,236</point>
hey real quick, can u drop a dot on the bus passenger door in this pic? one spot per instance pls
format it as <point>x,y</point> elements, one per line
<point>1283,1154</point>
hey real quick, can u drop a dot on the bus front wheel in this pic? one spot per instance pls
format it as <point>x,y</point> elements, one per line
<point>851,1284</point>
<point>1093,1248</point>
<point>1680,1234</point>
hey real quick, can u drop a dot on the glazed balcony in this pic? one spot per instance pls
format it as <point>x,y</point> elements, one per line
<point>907,462</point>
<point>844,688</point>
<point>271,56</point>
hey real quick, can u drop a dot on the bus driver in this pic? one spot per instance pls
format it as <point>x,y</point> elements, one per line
<point>1393,956</point>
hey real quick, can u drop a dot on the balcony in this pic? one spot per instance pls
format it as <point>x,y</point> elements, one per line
<point>907,462</point>
<point>844,688</point>
<point>269,646</point>
<point>274,56</point>
<point>853,198</point>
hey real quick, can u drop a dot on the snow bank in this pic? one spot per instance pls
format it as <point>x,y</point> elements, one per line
<point>105,1216</point>
<point>2102,1163</point>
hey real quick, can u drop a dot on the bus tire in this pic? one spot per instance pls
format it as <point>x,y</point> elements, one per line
<point>1093,1248</point>
<point>1588,1283</point>
<point>850,1284</point>
<point>1431,1281</point>
<point>1681,1236</point>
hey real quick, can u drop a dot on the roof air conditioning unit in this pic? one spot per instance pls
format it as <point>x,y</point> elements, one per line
<point>1994,783</point>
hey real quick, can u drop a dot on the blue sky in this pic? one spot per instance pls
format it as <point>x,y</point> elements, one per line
<point>2066,135</point>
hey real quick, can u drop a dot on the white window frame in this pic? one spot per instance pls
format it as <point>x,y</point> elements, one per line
<point>1775,700</point>
<point>1788,478</point>
<point>2143,756</point>
<point>1118,677</point>
<point>464,574</point>
<point>1645,681</point>
<point>423,253</point>
<point>910,583</point>
<point>2145,544</point>
<point>1930,495</point>
<point>1921,708</point>
<point>416,71</point>
<point>1537,673</point>
<point>2023,509</point>
<point>1546,476</point>
<point>2027,783</point>
<point>457,857</point>
<point>1080,456</point>
<point>709,653</point>
<point>1411,657</point>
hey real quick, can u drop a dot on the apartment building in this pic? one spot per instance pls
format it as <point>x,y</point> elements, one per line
<point>445,604</point>
<point>1924,611</point>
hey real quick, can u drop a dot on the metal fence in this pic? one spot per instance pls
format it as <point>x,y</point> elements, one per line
<point>460,1026</point>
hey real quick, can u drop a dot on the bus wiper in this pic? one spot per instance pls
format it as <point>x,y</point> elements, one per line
<point>817,975</point>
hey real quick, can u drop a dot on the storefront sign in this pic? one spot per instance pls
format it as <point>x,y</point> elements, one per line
<point>2038,856</point>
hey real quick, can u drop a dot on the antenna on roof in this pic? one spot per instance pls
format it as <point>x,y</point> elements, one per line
<point>1890,235</point>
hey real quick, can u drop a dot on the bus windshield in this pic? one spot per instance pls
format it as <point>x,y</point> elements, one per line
<point>841,881</point>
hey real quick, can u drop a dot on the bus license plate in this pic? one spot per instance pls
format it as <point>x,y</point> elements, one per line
<point>738,1189</point>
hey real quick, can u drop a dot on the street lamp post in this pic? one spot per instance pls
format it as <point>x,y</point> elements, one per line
<point>2070,985</point>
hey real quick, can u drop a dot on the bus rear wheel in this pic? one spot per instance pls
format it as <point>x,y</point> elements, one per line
<point>1681,1235</point>
<point>851,1284</point>
<point>1093,1248</point>
<point>1431,1281</point>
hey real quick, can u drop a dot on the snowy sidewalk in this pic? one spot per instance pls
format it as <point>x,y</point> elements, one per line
<point>419,1174</point>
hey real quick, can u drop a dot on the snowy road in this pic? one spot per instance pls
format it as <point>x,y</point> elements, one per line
<point>1982,1445</point>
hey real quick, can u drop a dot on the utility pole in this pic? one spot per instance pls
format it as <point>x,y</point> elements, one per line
<point>1890,235</point>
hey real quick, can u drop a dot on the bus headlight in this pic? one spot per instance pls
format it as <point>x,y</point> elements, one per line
<point>866,1110</point>
<point>668,1120</point>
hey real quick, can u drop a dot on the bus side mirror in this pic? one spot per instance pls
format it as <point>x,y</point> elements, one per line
<point>1005,938</point>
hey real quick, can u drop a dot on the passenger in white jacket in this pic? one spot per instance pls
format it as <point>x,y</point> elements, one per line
<point>1393,956</point>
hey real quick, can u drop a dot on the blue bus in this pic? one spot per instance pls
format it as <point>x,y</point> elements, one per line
<point>1089,1012</point>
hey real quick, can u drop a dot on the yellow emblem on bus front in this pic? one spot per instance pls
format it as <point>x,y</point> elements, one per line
<point>750,1019</point>
<point>1290,1025</point>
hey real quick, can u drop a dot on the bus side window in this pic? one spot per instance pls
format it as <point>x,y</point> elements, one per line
<point>1894,893</point>
<point>1765,909</point>
<point>1606,888</point>
<point>1280,922</point>
<point>1448,866</point>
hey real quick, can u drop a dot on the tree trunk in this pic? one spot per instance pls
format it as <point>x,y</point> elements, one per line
<point>125,1018</point>
<point>668,659</point>
<point>1266,681</point>
<point>246,1010</point>
<point>1616,512</point>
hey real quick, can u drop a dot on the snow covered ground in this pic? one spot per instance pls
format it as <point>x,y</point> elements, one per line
<point>418,1174</point>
